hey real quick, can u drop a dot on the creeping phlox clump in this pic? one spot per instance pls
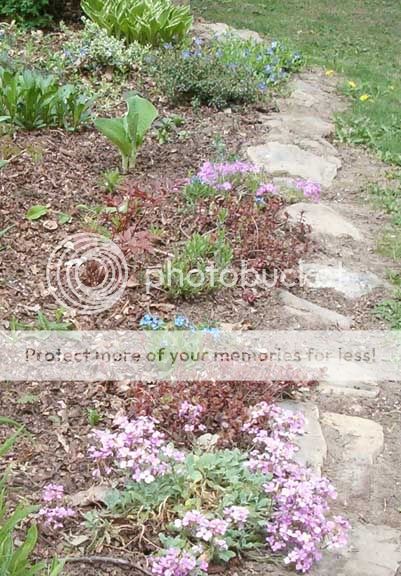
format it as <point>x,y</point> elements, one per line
<point>214,178</point>
<point>53,514</point>
<point>282,505</point>
<point>299,526</point>
<point>137,448</point>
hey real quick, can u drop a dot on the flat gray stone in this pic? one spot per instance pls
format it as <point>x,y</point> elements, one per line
<point>211,29</point>
<point>349,379</point>
<point>372,551</point>
<point>350,284</point>
<point>304,125</point>
<point>354,444</point>
<point>312,445</point>
<point>323,220</point>
<point>290,160</point>
<point>312,315</point>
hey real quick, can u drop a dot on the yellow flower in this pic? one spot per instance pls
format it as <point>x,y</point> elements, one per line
<point>364,97</point>
<point>351,84</point>
<point>330,73</point>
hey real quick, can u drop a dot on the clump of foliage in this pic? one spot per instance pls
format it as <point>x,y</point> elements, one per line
<point>222,407</point>
<point>93,50</point>
<point>223,71</point>
<point>29,100</point>
<point>186,275</point>
<point>31,13</point>
<point>16,560</point>
<point>207,505</point>
<point>128,132</point>
<point>151,22</point>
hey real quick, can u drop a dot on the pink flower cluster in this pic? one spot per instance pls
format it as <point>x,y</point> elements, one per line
<point>137,447</point>
<point>203,528</point>
<point>220,175</point>
<point>310,190</point>
<point>54,516</point>
<point>265,189</point>
<point>237,515</point>
<point>299,526</point>
<point>191,414</point>
<point>177,562</point>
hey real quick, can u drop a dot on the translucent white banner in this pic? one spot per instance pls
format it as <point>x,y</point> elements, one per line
<point>198,356</point>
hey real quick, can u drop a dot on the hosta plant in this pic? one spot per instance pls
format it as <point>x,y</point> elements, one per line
<point>128,132</point>
<point>146,21</point>
<point>29,100</point>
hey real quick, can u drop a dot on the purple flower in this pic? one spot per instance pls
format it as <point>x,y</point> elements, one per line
<point>311,190</point>
<point>53,492</point>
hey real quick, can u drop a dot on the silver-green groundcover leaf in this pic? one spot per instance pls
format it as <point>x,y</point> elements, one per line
<point>128,132</point>
<point>145,21</point>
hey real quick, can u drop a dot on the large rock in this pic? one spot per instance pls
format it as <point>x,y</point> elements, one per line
<point>311,315</point>
<point>213,29</point>
<point>280,159</point>
<point>306,126</point>
<point>312,445</point>
<point>323,220</point>
<point>372,551</point>
<point>350,284</point>
<point>349,379</point>
<point>354,443</point>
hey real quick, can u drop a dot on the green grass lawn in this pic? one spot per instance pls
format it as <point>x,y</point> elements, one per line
<point>359,39</point>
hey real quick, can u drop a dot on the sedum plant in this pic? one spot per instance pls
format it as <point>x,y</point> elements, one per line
<point>128,132</point>
<point>30,101</point>
<point>146,21</point>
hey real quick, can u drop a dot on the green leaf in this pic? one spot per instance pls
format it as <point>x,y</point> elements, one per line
<point>36,212</point>
<point>114,130</point>
<point>146,114</point>
<point>64,218</point>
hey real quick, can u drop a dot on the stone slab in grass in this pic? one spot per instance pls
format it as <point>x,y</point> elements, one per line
<point>306,126</point>
<point>280,159</point>
<point>348,282</point>
<point>323,220</point>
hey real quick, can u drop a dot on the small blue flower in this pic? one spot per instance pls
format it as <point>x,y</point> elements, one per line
<point>186,54</point>
<point>150,322</point>
<point>181,321</point>
<point>168,46</point>
<point>198,41</point>
<point>215,332</point>
<point>268,69</point>
<point>262,86</point>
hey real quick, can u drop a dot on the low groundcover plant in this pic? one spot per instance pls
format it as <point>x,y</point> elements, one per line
<point>207,505</point>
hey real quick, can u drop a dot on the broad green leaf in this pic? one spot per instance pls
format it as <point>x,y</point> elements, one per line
<point>113,129</point>
<point>146,113</point>
<point>36,212</point>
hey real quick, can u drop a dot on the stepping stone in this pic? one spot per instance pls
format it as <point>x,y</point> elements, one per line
<point>354,443</point>
<point>312,445</point>
<point>212,29</point>
<point>372,551</point>
<point>306,126</point>
<point>280,159</point>
<point>350,284</point>
<point>349,379</point>
<point>312,315</point>
<point>323,220</point>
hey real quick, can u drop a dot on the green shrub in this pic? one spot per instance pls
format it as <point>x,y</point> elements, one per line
<point>146,21</point>
<point>224,71</point>
<point>93,50</point>
<point>188,273</point>
<point>30,100</point>
<point>29,12</point>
